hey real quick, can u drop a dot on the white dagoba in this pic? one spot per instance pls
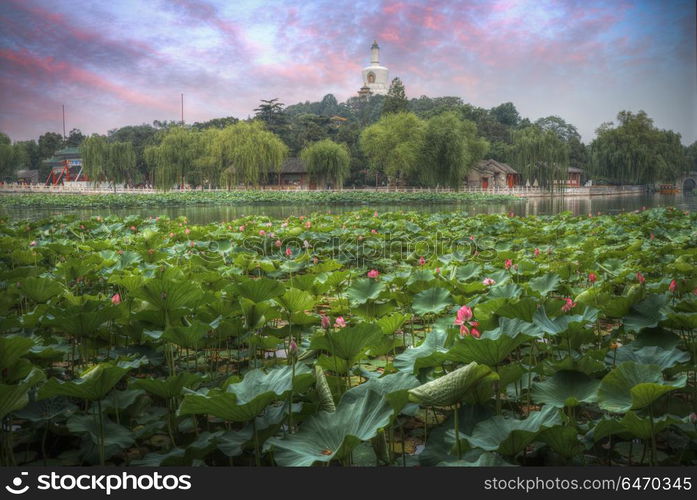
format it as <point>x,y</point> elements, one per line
<point>375,77</point>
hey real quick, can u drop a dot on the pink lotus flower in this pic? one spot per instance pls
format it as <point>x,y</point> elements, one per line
<point>171,235</point>
<point>284,224</point>
<point>422,261</point>
<point>132,228</point>
<point>568,305</point>
<point>374,231</point>
<point>463,314</point>
<point>339,323</point>
<point>192,244</point>
<point>488,282</point>
<point>278,243</point>
<point>375,214</point>
<point>373,273</point>
<point>241,228</point>
<point>693,417</point>
<point>116,299</point>
<point>464,331</point>
<point>536,252</point>
<point>308,224</point>
<point>32,243</point>
<point>292,346</point>
<point>262,232</point>
<point>651,236</point>
<point>326,322</point>
<point>507,265</point>
<point>694,292</point>
<point>187,230</point>
<point>289,252</point>
<point>472,238</point>
<point>315,260</point>
<point>83,227</point>
<point>673,286</point>
<point>438,270</point>
<point>592,277</point>
<point>640,278</point>
<point>475,333</point>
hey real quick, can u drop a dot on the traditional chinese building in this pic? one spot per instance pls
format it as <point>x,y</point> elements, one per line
<point>492,174</point>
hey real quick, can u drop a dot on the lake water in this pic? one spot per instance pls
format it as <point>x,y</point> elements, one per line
<point>201,214</point>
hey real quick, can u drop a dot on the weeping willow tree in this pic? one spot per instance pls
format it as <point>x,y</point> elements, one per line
<point>541,156</point>
<point>246,152</point>
<point>451,147</point>
<point>95,157</point>
<point>121,164</point>
<point>208,162</point>
<point>636,152</point>
<point>393,146</point>
<point>327,162</point>
<point>172,160</point>
<point>114,162</point>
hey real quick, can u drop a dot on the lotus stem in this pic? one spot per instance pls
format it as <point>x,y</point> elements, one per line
<point>457,431</point>
<point>100,416</point>
<point>653,435</point>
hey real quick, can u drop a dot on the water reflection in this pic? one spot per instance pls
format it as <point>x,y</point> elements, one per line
<point>199,214</point>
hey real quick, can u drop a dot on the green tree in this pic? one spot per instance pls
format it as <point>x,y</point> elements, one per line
<point>95,158</point>
<point>49,143</point>
<point>247,152</point>
<point>541,156</point>
<point>139,136</point>
<point>327,162</point>
<point>75,138</point>
<point>506,114</point>
<point>173,159</point>
<point>451,147</point>
<point>636,152</point>
<point>7,157</point>
<point>396,99</point>
<point>28,155</point>
<point>393,146</point>
<point>121,165</point>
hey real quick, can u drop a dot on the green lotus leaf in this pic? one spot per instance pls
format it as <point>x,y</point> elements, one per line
<point>390,324</point>
<point>12,348</point>
<point>545,284</point>
<point>296,301</point>
<point>490,349</point>
<point>431,352</point>
<point>168,296</point>
<point>243,401</point>
<point>394,387</point>
<point>510,436</point>
<point>632,386</point>
<point>92,385</point>
<point>116,437</point>
<point>649,355</point>
<point>563,439</point>
<point>450,388</point>
<point>326,400</point>
<point>187,336</point>
<point>506,290</point>
<point>431,301</point>
<point>364,289</point>
<point>348,343</point>
<point>642,427</point>
<point>15,396</point>
<point>327,436</point>
<point>259,290</point>
<point>646,314</point>
<point>565,388</point>
<point>170,387</point>
<point>41,289</point>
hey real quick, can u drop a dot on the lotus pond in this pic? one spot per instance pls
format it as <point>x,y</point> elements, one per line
<point>363,338</point>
